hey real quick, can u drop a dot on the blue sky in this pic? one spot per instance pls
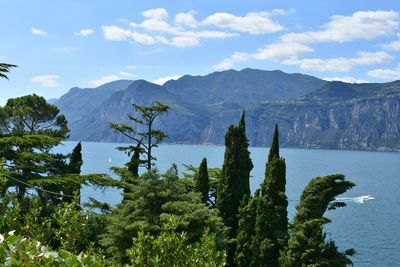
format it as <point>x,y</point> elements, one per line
<point>62,44</point>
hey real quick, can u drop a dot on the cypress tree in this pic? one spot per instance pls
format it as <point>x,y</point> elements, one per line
<point>263,226</point>
<point>201,181</point>
<point>74,167</point>
<point>244,254</point>
<point>271,228</point>
<point>234,183</point>
<point>75,160</point>
<point>274,149</point>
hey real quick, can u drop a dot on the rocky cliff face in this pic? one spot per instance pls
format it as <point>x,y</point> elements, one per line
<point>369,124</point>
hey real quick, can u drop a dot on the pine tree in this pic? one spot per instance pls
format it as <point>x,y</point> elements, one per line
<point>30,128</point>
<point>306,246</point>
<point>148,139</point>
<point>5,69</point>
<point>151,199</point>
<point>201,181</point>
<point>234,184</point>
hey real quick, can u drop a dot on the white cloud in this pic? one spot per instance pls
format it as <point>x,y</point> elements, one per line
<point>46,80</point>
<point>163,80</point>
<point>360,25</point>
<point>385,74</point>
<point>185,41</point>
<point>37,31</point>
<point>253,23</point>
<point>277,51</point>
<point>84,32</point>
<point>156,13</point>
<point>186,19</point>
<point>346,79</point>
<point>104,79</point>
<point>147,39</point>
<point>340,64</point>
<point>115,33</point>
<point>393,46</point>
<point>283,12</point>
<point>155,28</point>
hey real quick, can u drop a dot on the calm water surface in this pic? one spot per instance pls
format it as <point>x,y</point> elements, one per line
<point>372,227</point>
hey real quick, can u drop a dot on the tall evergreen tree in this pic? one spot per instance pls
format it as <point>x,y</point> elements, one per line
<point>75,160</point>
<point>201,181</point>
<point>274,149</point>
<point>74,167</point>
<point>29,128</point>
<point>306,246</point>
<point>245,253</point>
<point>261,246</point>
<point>234,183</point>
<point>148,139</point>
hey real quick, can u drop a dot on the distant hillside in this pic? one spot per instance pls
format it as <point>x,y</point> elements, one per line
<point>78,102</point>
<point>310,112</point>
<point>244,87</point>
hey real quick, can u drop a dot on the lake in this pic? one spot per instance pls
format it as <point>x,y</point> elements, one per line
<point>371,227</point>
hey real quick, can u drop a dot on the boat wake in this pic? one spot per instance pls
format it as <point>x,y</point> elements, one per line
<point>360,199</point>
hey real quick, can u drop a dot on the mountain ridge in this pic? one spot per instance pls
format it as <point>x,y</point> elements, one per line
<point>334,115</point>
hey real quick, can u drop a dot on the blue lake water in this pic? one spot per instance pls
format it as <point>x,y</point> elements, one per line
<point>371,227</point>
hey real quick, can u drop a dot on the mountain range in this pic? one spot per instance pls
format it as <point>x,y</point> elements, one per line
<point>311,112</point>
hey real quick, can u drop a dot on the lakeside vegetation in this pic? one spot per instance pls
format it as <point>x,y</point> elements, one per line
<point>208,217</point>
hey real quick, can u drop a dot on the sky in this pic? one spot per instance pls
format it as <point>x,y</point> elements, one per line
<point>62,44</point>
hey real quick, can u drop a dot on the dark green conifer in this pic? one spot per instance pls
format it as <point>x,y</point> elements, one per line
<point>244,254</point>
<point>234,183</point>
<point>201,181</point>
<point>274,149</point>
<point>75,160</point>
<point>134,163</point>
<point>271,220</point>
<point>262,245</point>
<point>74,167</point>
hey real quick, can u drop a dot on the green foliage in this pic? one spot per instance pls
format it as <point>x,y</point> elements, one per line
<point>214,177</point>
<point>29,129</point>
<point>201,181</point>
<point>5,69</point>
<point>172,248</point>
<point>17,251</point>
<point>306,245</point>
<point>245,254</point>
<point>147,140</point>
<point>151,199</point>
